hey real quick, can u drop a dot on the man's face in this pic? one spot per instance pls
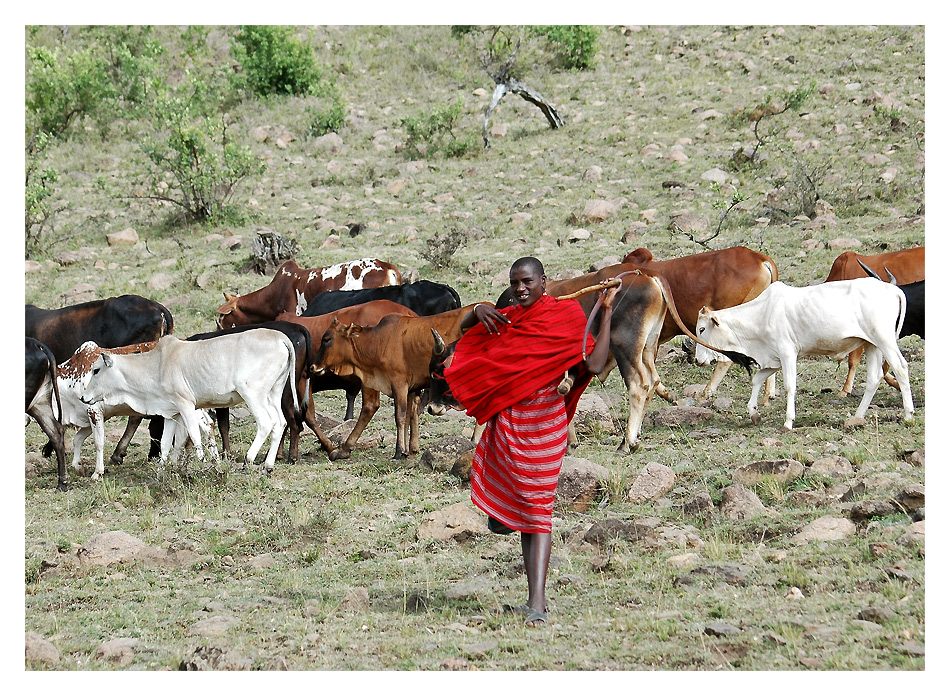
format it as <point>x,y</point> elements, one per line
<point>526,284</point>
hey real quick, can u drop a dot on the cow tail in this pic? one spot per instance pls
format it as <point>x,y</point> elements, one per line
<point>51,359</point>
<point>291,383</point>
<point>902,300</point>
<point>739,358</point>
<point>168,320</point>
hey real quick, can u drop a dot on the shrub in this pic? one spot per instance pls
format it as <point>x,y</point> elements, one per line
<point>273,61</point>
<point>39,188</point>
<point>61,89</point>
<point>441,246</point>
<point>574,45</point>
<point>330,116</point>
<point>193,152</point>
<point>433,132</point>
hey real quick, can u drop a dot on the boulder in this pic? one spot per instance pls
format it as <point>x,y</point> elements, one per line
<point>38,649</point>
<point>211,658</point>
<point>459,522</point>
<point>580,483</point>
<point>654,481</point>
<point>110,547</point>
<point>832,465</point>
<point>826,528</point>
<point>444,454</point>
<point>127,237</point>
<point>740,503</point>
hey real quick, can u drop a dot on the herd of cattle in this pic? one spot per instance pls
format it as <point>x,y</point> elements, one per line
<point>356,327</point>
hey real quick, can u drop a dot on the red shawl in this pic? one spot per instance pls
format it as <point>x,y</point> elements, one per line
<point>490,372</point>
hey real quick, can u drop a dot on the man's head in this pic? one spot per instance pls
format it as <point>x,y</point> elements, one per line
<point>527,280</point>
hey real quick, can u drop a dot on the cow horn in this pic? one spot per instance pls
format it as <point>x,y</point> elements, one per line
<point>439,346</point>
<point>869,271</point>
<point>890,275</point>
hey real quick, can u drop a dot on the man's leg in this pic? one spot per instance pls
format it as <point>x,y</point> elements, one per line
<point>536,550</point>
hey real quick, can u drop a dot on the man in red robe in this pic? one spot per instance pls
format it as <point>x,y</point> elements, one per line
<point>505,372</point>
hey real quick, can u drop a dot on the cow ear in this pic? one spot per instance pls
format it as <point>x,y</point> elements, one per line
<point>704,312</point>
<point>715,321</point>
<point>353,330</point>
<point>107,360</point>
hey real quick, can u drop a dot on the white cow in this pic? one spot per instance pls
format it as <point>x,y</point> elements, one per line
<point>72,378</point>
<point>177,377</point>
<point>828,319</point>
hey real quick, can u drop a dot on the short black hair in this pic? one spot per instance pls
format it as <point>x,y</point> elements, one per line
<point>529,262</point>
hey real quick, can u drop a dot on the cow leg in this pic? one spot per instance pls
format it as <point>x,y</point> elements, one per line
<point>641,381</point>
<point>571,437</point>
<point>367,411</point>
<point>401,412</point>
<point>664,393</point>
<point>415,405</point>
<point>98,427</point>
<point>874,360</point>
<point>190,419</point>
<point>56,433</point>
<point>223,416</point>
<point>889,378</point>
<point>854,357</point>
<point>758,379</point>
<point>156,426</point>
<point>790,378</point>
<point>123,445</point>
<point>311,421</point>
<point>719,371</point>
<point>78,439</point>
<point>351,393</point>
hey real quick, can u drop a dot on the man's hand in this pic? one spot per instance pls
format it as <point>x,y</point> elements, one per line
<point>490,318</point>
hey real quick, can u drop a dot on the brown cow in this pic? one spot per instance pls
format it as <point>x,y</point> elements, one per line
<point>715,279</point>
<point>293,287</point>
<point>365,314</point>
<point>906,265</point>
<point>393,358</point>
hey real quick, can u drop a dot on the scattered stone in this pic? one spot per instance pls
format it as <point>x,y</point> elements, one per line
<point>676,416</point>
<point>843,243</point>
<point>826,528</point>
<point>38,649</point>
<point>330,142</point>
<point>715,174</point>
<point>729,573</point>
<point>598,211</point>
<point>232,243</point>
<point>127,237</point>
<point>578,235</point>
<point>118,650</point>
<point>740,503</point>
<point>794,593</point>
<point>648,215</point>
<point>356,600</point>
<point>700,504</point>
<point>210,658</point>
<point>160,281</point>
<point>878,615</point>
<point>33,266</point>
<point>261,561</point>
<point>654,481</point>
<point>834,465</point>
<point>396,187</point>
<point>499,130</point>
<point>593,415</point>
<point>580,483</point>
<point>915,457</point>
<point>459,522</point>
<point>912,649</point>
<point>212,626</point>
<point>455,664</point>
<point>444,454</point>
<point>520,218</point>
<point>593,173</point>
<point>866,509</point>
<point>683,561</point>
<point>911,497</point>
<point>781,470</point>
<point>721,629</point>
<point>604,531</point>
<point>84,292</point>
<point>688,221</point>
<point>914,534</point>
<point>110,547</point>
<point>463,465</point>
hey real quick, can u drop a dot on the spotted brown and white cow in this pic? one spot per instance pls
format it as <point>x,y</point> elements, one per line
<point>294,287</point>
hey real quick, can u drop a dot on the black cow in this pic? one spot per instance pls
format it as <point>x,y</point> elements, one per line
<point>111,323</point>
<point>423,297</point>
<point>303,350</point>
<point>41,391</point>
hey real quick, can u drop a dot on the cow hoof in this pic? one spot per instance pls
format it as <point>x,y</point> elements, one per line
<point>400,455</point>
<point>338,454</point>
<point>61,486</point>
<point>756,418</point>
<point>115,461</point>
<point>625,448</point>
<point>96,476</point>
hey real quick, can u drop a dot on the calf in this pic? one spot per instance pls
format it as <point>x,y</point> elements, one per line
<point>73,376</point>
<point>907,265</point>
<point>828,319</point>
<point>178,377</point>
<point>111,323</point>
<point>393,358</point>
<point>366,314</point>
<point>43,402</point>
<point>423,297</point>
<point>294,287</point>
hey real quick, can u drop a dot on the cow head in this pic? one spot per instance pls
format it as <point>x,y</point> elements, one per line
<point>638,256</point>
<point>226,319</point>
<point>440,394</point>
<point>336,350</point>
<point>100,379</point>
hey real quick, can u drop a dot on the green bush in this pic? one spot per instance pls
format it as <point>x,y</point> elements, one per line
<point>191,150</point>
<point>433,132</point>
<point>330,116</point>
<point>273,61</point>
<point>39,188</point>
<point>574,45</point>
<point>61,89</point>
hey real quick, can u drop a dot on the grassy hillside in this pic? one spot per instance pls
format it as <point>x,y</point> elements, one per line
<point>663,110</point>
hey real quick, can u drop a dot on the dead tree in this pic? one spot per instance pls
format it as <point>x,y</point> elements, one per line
<point>271,251</point>
<point>505,83</point>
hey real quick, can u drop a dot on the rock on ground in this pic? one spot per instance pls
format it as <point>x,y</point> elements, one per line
<point>580,483</point>
<point>38,649</point>
<point>459,522</point>
<point>655,481</point>
<point>826,528</point>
